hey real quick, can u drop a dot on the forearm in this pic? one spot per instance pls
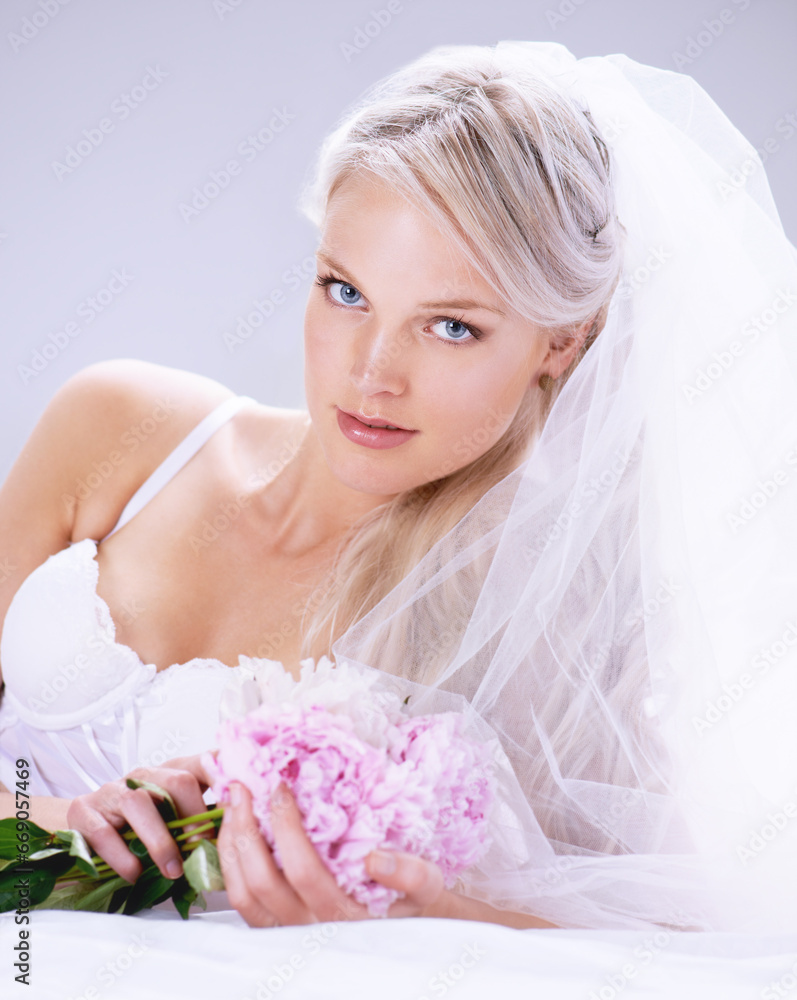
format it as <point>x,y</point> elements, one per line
<point>458,907</point>
<point>45,811</point>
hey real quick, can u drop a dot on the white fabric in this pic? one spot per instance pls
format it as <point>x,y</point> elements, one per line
<point>81,707</point>
<point>156,957</point>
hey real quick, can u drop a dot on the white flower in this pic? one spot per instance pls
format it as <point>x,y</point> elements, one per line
<point>364,695</point>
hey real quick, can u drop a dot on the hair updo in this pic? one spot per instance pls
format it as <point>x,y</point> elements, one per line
<point>516,174</point>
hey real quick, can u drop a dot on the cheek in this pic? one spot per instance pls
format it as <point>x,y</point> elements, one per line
<point>461,398</point>
<point>469,409</point>
<point>322,343</point>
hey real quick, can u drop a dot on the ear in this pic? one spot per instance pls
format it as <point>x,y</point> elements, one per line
<point>560,356</point>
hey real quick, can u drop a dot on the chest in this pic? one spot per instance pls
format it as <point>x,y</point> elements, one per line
<point>197,572</point>
<point>203,596</point>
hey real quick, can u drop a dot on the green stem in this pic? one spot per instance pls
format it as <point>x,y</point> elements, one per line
<point>205,822</point>
<point>200,817</point>
<point>101,866</point>
<point>78,875</point>
<point>193,833</point>
<point>188,848</point>
<point>183,821</point>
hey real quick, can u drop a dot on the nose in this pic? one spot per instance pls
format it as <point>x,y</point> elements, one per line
<point>380,361</point>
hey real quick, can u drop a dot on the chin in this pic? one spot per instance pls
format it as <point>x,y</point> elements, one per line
<point>379,483</point>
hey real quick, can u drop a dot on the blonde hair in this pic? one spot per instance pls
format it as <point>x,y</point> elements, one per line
<point>518,177</point>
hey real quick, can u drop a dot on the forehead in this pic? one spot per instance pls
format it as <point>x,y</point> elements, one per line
<point>369,224</point>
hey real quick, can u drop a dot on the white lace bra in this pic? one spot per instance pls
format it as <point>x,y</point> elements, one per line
<point>79,706</point>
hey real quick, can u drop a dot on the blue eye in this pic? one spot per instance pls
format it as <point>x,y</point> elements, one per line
<point>461,334</point>
<point>348,293</point>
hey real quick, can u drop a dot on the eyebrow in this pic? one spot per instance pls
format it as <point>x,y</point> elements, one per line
<point>451,304</point>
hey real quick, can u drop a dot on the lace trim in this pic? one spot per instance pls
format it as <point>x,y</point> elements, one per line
<point>142,677</point>
<point>107,621</point>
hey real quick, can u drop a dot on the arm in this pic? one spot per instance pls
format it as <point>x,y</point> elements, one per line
<point>90,419</point>
<point>455,906</point>
<point>35,523</point>
<point>46,811</point>
<point>39,510</point>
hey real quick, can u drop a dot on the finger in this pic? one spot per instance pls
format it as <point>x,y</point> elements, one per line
<point>255,886</point>
<point>139,810</point>
<point>235,872</point>
<point>103,838</point>
<point>193,765</point>
<point>307,874</point>
<point>184,786</point>
<point>421,881</point>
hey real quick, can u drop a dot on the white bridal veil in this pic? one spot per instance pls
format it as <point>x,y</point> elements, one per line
<point>619,615</point>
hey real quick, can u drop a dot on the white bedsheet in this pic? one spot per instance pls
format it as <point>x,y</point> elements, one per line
<point>90,956</point>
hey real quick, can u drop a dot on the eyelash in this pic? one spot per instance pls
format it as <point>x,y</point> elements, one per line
<point>323,280</point>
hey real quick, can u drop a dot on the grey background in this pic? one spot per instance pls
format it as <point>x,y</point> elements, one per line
<point>226,66</point>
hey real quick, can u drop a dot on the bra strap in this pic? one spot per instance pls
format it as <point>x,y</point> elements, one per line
<point>184,451</point>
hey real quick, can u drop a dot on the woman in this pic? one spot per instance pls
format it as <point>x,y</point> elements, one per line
<point>515,548</point>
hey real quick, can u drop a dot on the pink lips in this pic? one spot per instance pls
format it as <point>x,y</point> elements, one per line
<point>374,421</point>
<point>372,437</point>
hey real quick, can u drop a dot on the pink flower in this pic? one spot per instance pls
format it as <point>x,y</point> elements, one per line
<point>420,786</point>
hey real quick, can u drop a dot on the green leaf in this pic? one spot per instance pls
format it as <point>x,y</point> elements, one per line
<point>47,852</point>
<point>59,863</point>
<point>78,849</point>
<point>149,889</point>
<point>164,803</point>
<point>9,837</point>
<point>184,895</point>
<point>100,898</point>
<point>202,867</point>
<point>138,848</point>
<point>119,898</point>
<point>68,897</point>
<point>38,883</point>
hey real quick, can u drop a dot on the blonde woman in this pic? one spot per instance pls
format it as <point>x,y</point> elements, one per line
<point>470,248</point>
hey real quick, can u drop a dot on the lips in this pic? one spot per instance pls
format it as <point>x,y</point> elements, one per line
<point>377,422</point>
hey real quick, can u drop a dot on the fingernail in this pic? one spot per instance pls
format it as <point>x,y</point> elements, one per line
<point>235,794</point>
<point>382,862</point>
<point>174,869</point>
<point>279,798</point>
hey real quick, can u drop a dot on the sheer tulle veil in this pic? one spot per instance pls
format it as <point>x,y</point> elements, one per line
<point>616,617</point>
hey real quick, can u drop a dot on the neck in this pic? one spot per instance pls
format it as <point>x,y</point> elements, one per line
<point>305,506</point>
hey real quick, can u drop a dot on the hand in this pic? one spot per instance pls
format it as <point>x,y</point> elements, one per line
<point>99,815</point>
<point>305,891</point>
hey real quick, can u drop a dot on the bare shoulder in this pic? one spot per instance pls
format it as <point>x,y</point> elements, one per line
<point>102,433</point>
<point>128,415</point>
<point>131,414</point>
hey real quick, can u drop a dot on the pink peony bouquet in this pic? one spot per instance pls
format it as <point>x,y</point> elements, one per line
<point>365,774</point>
